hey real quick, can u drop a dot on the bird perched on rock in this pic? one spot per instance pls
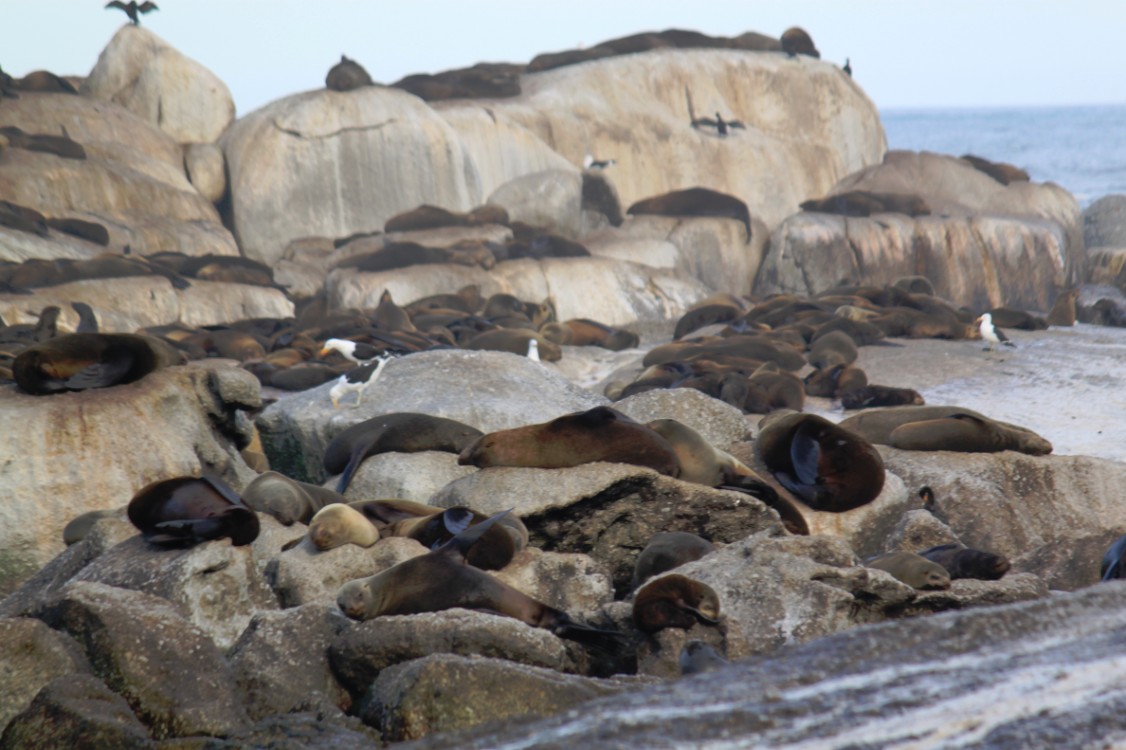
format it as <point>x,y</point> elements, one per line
<point>991,333</point>
<point>847,67</point>
<point>133,10</point>
<point>357,380</point>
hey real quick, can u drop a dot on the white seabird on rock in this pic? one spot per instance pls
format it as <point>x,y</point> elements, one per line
<point>358,379</point>
<point>991,333</point>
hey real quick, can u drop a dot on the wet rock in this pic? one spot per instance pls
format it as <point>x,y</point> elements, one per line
<point>445,693</point>
<point>33,655</point>
<point>280,661</point>
<point>361,653</point>
<point>170,672</point>
<point>487,390</point>
<point>77,710</point>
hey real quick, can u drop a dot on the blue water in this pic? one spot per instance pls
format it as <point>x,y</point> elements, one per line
<point>1082,149</point>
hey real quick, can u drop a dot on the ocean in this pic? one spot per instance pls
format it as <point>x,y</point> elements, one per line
<point>1082,149</point>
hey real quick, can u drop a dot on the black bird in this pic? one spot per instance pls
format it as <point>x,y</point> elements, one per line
<point>133,10</point>
<point>847,68</point>
<point>722,126</point>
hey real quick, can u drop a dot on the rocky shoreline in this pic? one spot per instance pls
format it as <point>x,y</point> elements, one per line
<point>140,195</point>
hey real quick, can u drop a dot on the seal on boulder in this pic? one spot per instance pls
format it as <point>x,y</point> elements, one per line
<point>337,524</point>
<point>287,500</point>
<point>674,601</point>
<point>963,562</point>
<point>347,75</point>
<point>915,570</point>
<point>184,511</point>
<point>667,550</point>
<point>79,361</point>
<point>697,201</point>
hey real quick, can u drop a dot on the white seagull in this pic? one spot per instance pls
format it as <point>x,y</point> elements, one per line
<point>991,333</point>
<point>357,380</point>
<point>355,351</point>
<point>591,163</point>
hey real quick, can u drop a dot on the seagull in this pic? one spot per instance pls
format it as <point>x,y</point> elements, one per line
<point>847,67</point>
<point>357,380</point>
<point>722,126</point>
<point>354,351</point>
<point>991,333</point>
<point>533,350</point>
<point>132,9</point>
<point>591,163</point>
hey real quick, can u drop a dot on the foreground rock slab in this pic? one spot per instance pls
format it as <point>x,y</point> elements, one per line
<point>1023,675</point>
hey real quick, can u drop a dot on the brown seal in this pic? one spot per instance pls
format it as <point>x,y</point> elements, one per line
<point>697,201</point>
<point>515,341</point>
<point>797,41</point>
<point>337,524</point>
<point>878,425</point>
<point>881,395</point>
<point>586,332</point>
<point>287,500</point>
<point>834,348</point>
<point>1006,174</point>
<point>400,432</point>
<point>861,203</point>
<point>599,434</point>
<point>185,511</point>
<point>668,550</point>
<point>674,601</point>
<point>347,75</point>
<point>494,550</point>
<point>914,570</point>
<point>79,361</point>
<point>1063,311</point>
<point>402,254</point>
<point>79,526</point>
<point>965,433</point>
<point>963,562</point>
<point>442,580</point>
<point>835,382</point>
<point>1006,317</point>
<point>825,466</point>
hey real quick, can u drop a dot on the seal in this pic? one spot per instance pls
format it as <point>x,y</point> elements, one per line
<point>1112,567</point>
<point>835,382</point>
<point>705,315</point>
<point>1063,311</point>
<point>1007,317</point>
<point>963,562</point>
<point>433,527</point>
<point>442,580</point>
<point>337,524</point>
<point>822,464</point>
<point>961,432</point>
<point>287,500</point>
<point>184,511</point>
<point>1006,174</point>
<point>881,395</point>
<point>697,657</point>
<point>79,526</point>
<point>586,332</point>
<point>667,550</point>
<point>914,570</point>
<point>79,361</point>
<point>877,426</point>
<point>674,601</point>
<point>515,341</point>
<point>797,41</point>
<point>598,434</point>
<point>347,75</point>
<point>695,201</point>
<point>769,391</point>
<point>399,432</point>
<point>862,203</point>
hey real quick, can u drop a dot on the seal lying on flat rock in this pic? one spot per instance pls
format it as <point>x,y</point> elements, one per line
<point>878,425</point>
<point>442,580</point>
<point>674,601</point>
<point>338,524</point>
<point>79,361</point>
<point>914,570</point>
<point>825,466</point>
<point>401,432</point>
<point>185,511</point>
<point>881,395</point>
<point>695,201</point>
<point>599,434</point>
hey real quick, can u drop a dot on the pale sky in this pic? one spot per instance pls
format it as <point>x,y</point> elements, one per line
<point>905,53</point>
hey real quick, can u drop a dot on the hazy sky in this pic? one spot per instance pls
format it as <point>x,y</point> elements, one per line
<point>921,53</point>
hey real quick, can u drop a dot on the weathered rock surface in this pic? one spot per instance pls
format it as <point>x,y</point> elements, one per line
<point>551,199</point>
<point>206,170</point>
<point>984,245</point>
<point>94,449</point>
<point>281,661</point>
<point>1104,222</point>
<point>153,80</point>
<point>359,654</point>
<point>487,390</point>
<point>445,693</point>
<point>1050,515</point>
<point>77,710</point>
<point>1024,675</point>
<point>718,422</point>
<point>410,476</point>
<point>169,671</point>
<point>215,585</point>
<point>32,656</point>
<point>571,582</point>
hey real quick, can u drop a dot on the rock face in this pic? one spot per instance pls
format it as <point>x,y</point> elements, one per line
<point>93,449</point>
<point>1000,670</point>
<point>32,655</point>
<point>151,79</point>
<point>1104,222</point>
<point>984,244</point>
<point>319,153</point>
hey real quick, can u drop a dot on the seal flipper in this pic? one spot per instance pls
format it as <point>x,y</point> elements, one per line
<point>458,547</point>
<point>359,453</point>
<point>99,374</point>
<point>805,455</point>
<point>187,532</point>
<point>609,641</point>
